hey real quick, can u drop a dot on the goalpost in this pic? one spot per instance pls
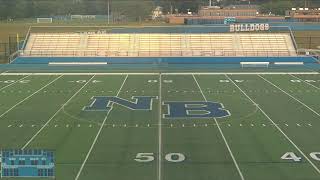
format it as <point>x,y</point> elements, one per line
<point>44,20</point>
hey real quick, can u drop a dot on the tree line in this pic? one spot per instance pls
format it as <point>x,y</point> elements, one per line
<point>131,8</point>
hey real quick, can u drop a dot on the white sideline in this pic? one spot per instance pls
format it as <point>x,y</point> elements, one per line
<point>305,82</point>
<point>76,63</point>
<point>220,130</point>
<point>98,134</point>
<point>315,112</point>
<point>66,73</point>
<point>242,73</point>
<point>168,73</point>
<point>14,82</point>
<point>254,63</point>
<point>29,96</point>
<point>276,125</point>
<point>160,131</point>
<point>289,63</point>
<point>49,120</point>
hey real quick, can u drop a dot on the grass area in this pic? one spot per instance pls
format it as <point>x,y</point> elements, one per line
<point>270,115</point>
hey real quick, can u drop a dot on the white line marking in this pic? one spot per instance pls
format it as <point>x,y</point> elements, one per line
<point>279,129</point>
<point>188,73</point>
<point>98,134</point>
<point>72,74</point>
<point>54,115</point>
<point>224,139</point>
<point>305,82</point>
<point>315,112</point>
<point>14,82</point>
<point>29,96</point>
<point>160,130</point>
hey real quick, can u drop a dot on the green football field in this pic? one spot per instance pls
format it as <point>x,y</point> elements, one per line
<point>271,132</point>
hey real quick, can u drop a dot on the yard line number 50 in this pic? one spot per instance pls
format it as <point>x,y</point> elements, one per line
<point>171,157</point>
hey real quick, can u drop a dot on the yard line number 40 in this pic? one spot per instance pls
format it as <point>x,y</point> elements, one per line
<point>171,157</point>
<point>293,157</point>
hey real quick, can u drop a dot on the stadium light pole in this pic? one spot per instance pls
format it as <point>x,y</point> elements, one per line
<point>108,12</point>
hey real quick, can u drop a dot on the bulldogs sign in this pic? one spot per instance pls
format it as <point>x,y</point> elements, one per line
<point>249,27</point>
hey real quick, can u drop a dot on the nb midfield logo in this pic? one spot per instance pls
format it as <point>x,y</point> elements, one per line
<point>175,109</point>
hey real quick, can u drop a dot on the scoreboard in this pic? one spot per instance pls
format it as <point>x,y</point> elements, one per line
<point>27,163</point>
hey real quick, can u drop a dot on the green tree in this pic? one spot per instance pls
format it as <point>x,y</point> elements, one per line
<point>276,7</point>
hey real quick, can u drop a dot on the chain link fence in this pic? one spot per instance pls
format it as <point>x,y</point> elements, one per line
<point>308,42</point>
<point>11,46</point>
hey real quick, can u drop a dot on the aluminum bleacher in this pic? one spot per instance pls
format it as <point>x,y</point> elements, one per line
<point>160,45</point>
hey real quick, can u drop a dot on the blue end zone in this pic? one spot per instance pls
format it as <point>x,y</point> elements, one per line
<point>166,60</point>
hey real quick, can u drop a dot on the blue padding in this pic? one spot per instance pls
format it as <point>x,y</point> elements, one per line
<point>167,60</point>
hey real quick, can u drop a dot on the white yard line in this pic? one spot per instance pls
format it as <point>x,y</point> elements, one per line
<point>4,72</point>
<point>221,132</point>
<point>315,112</point>
<point>305,82</point>
<point>160,131</point>
<point>279,129</point>
<point>99,132</point>
<point>49,120</point>
<point>138,73</point>
<point>14,82</point>
<point>29,97</point>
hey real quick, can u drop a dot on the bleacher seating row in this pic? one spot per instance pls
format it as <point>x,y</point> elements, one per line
<point>159,45</point>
